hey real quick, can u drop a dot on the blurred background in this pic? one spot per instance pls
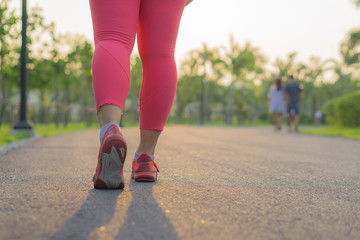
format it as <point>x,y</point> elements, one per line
<point>228,53</point>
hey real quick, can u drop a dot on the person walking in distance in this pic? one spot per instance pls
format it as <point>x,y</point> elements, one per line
<point>115,24</point>
<point>293,93</point>
<point>276,98</point>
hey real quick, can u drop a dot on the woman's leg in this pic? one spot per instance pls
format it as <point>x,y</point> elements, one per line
<point>108,114</point>
<point>148,141</point>
<point>114,23</point>
<point>279,120</point>
<point>157,33</point>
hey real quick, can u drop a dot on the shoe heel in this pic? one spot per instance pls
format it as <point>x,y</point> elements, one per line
<point>112,161</point>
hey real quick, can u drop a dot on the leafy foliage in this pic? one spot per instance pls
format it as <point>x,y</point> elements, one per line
<point>357,3</point>
<point>344,110</point>
<point>350,48</point>
<point>229,83</point>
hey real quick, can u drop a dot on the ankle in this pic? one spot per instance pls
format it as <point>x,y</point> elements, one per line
<point>104,128</point>
<point>146,150</point>
<point>137,155</point>
<point>150,153</point>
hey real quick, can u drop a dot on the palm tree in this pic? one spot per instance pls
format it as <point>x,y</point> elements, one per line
<point>311,77</point>
<point>286,67</point>
<point>199,67</point>
<point>188,84</point>
<point>240,64</point>
<point>207,55</point>
<point>344,83</point>
<point>350,48</point>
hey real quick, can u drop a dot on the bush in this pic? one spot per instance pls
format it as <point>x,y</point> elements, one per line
<point>307,118</point>
<point>329,112</point>
<point>344,110</point>
<point>265,116</point>
<point>348,109</point>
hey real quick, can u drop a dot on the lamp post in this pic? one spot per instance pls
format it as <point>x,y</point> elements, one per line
<point>22,124</point>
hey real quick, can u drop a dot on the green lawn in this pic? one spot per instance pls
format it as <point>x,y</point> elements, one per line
<point>220,123</point>
<point>6,138</point>
<point>42,130</point>
<point>51,129</point>
<point>333,131</point>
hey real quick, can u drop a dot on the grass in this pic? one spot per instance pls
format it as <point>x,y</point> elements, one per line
<point>6,138</point>
<point>220,123</point>
<point>346,132</point>
<point>41,129</point>
<point>51,129</point>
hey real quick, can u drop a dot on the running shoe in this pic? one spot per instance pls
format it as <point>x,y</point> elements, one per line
<point>109,171</point>
<point>144,169</point>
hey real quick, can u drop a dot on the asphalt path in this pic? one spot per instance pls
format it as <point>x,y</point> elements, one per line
<point>214,183</point>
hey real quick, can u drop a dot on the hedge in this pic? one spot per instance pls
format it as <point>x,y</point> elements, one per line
<point>344,110</point>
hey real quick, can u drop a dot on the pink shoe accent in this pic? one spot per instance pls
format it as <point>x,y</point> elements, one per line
<point>144,169</point>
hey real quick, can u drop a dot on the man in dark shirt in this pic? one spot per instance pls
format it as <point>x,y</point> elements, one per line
<point>293,91</point>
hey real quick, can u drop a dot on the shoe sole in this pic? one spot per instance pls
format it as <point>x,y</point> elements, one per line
<point>112,162</point>
<point>144,177</point>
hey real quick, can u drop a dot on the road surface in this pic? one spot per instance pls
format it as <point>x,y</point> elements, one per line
<point>214,183</point>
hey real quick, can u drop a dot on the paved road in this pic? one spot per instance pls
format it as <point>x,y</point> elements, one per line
<point>214,183</point>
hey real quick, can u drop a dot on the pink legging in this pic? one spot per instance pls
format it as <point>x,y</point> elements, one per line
<point>115,24</point>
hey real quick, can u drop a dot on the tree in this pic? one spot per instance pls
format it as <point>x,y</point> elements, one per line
<point>61,79</point>
<point>357,3</point>
<point>132,102</point>
<point>311,77</point>
<point>189,84</point>
<point>200,73</point>
<point>40,67</point>
<point>286,67</point>
<point>242,63</point>
<point>343,83</point>
<point>8,36</point>
<point>79,68</point>
<point>350,48</point>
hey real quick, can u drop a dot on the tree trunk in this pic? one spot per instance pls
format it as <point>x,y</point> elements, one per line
<point>84,107</point>
<point>66,106</point>
<point>11,114</point>
<point>3,85</point>
<point>42,107</point>
<point>230,105</point>
<point>90,102</point>
<point>57,104</point>
<point>202,101</point>
<point>81,112</point>
<point>135,109</point>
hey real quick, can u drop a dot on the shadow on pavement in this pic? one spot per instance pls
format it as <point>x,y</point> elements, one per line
<point>145,219</point>
<point>97,210</point>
